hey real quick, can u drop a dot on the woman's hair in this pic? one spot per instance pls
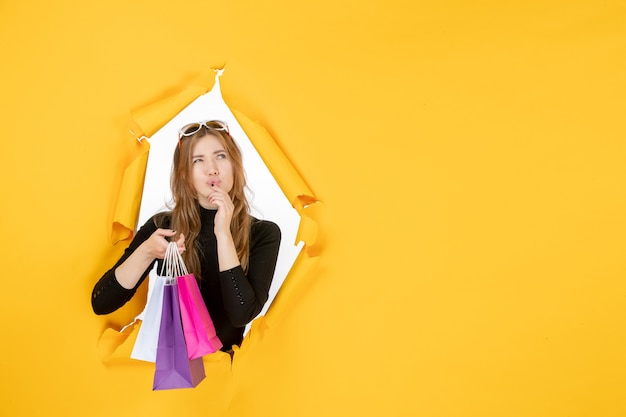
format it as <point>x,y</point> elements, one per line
<point>186,213</point>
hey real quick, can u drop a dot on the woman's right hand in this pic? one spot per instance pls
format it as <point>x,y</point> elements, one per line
<point>130,271</point>
<point>154,247</point>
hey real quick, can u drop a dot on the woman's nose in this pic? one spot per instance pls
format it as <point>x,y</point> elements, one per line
<point>212,171</point>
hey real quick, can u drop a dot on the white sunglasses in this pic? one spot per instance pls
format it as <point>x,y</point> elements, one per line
<point>192,128</point>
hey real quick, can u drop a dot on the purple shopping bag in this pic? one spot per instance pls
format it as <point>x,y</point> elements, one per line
<point>173,368</point>
<point>198,328</point>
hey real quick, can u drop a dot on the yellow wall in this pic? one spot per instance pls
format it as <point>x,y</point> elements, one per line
<point>469,156</point>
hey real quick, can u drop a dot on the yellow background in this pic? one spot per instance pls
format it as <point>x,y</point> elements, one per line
<point>469,157</point>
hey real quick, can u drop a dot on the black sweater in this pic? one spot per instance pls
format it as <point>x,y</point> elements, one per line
<point>232,297</point>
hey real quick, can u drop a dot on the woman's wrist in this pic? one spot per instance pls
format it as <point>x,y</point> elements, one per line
<point>129,272</point>
<point>143,254</point>
<point>222,235</point>
<point>226,251</point>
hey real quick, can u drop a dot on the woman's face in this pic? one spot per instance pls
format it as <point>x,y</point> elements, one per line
<point>211,168</point>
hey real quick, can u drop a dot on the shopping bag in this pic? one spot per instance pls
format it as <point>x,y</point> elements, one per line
<point>198,327</point>
<point>148,336</point>
<point>173,368</point>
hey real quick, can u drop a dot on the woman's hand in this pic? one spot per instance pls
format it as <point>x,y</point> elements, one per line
<point>226,251</point>
<point>129,272</point>
<point>154,247</point>
<point>225,208</point>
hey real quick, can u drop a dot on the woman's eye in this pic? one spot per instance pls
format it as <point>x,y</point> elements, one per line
<point>196,161</point>
<point>221,155</point>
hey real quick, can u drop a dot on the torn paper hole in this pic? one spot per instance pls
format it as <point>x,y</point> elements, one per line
<point>266,198</point>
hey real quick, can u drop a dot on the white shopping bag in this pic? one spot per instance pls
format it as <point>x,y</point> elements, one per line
<point>148,337</point>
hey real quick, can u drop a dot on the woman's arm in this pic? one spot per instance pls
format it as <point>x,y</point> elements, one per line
<point>130,271</point>
<point>226,251</point>
<point>244,295</point>
<point>119,284</point>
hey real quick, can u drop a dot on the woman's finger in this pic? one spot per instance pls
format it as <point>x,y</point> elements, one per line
<point>181,243</point>
<point>165,232</point>
<point>221,201</point>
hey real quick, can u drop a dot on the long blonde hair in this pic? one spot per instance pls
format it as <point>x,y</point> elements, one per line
<point>185,216</point>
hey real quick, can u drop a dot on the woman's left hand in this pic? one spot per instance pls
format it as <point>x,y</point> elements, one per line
<point>225,208</point>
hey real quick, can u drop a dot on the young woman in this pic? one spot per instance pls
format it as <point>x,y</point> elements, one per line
<point>232,254</point>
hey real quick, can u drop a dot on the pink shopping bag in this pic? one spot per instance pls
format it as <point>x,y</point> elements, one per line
<point>198,327</point>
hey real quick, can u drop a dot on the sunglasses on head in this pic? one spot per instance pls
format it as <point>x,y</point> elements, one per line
<point>193,128</point>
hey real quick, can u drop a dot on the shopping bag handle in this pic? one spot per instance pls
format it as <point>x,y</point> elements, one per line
<point>173,263</point>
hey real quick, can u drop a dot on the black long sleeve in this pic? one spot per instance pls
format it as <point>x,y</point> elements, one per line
<point>245,295</point>
<point>108,295</point>
<point>233,298</point>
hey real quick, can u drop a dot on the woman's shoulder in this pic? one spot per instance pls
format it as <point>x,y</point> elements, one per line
<point>160,220</point>
<point>264,229</point>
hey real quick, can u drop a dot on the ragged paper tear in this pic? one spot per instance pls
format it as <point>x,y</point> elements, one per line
<point>276,190</point>
<point>129,197</point>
